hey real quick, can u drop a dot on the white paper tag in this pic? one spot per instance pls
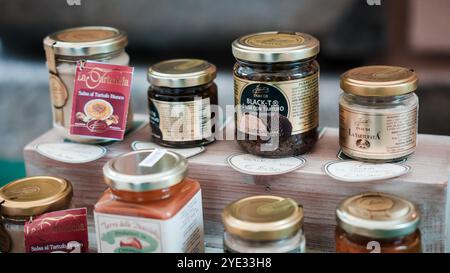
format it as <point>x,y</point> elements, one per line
<point>74,153</point>
<point>356,171</point>
<point>187,152</point>
<point>254,165</point>
<point>153,158</point>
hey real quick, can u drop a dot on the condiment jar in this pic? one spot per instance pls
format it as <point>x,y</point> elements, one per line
<point>25,198</point>
<point>276,89</point>
<point>263,224</point>
<point>151,208</point>
<point>63,49</point>
<point>378,113</point>
<point>377,222</point>
<point>180,97</point>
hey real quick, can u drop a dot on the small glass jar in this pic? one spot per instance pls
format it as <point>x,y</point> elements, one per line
<point>276,89</point>
<point>378,113</point>
<point>63,49</point>
<point>263,224</point>
<point>25,198</point>
<point>149,208</point>
<point>180,98</point>
<point>377,223</point>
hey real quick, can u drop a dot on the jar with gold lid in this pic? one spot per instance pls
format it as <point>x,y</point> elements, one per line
<point>276,91</point>
<point>378,113</point>
<point>63,49</point>
<point>25,198</point>
<point>149,208</point>
<point>180,98</point>
<point>263,224</point>
<point>377,223</point>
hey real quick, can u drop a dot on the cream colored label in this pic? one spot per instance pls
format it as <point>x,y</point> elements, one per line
<point>74,153</point>
<point>297,100</point>
<point>181,121</point>
<point>186,152</point>
<point>356,171</point>
<point>378,136</point>
<point>255,165</point>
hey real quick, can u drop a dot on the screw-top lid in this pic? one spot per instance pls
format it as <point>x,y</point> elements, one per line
<point>377,215</point>
<point>86,41</point>
<point>275,46</point>
<point>36,195</point>
<point>181,73</point>
<point>125,172</point>
<point>263,218</point>
<point>379,80</point>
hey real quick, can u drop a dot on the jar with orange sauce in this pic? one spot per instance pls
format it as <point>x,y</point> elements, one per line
<point>377,223</point>
<point>149,208</point>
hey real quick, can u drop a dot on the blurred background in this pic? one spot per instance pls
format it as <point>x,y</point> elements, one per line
<point>411,33</point>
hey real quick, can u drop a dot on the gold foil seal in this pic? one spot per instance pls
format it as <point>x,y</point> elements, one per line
<point>181,73</point>
<point>263,218</point>
<point>36,195</point>
<point>86,41</point>
<point>379,80</point>
<point>275,46</point>
<point>377,215</point>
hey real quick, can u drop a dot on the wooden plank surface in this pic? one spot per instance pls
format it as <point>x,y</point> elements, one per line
<point>425,185</point>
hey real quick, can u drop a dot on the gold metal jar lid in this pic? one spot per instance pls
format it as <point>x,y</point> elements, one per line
<point>263,218</point>
<point>34,196</point>
<point>86,41</point>
<point>180,73</point>
<point>125,173</point>
<point>379,80</point>
<point>275,46</point>
<point>377,215</point>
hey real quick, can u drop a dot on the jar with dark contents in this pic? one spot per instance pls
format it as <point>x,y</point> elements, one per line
<point>377,223</point>
<point>276,89</point>
<point>181,97</point>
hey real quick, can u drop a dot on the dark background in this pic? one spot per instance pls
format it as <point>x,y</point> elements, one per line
<point>411,33</point>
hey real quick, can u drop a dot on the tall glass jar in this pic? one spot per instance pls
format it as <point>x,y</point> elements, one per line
<point>378,113</point>
<point>63,49</point>
<point>377,223</point>
<point>150,206</point>
<point>276,89</point>
<point>263,224</point>
<point>25,198</point>
<point>180,98</point>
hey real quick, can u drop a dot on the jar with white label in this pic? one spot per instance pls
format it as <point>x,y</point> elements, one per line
<point>263,224</point>
<point>276,89</point>
<point>25,198</point>
<point>150,206</point>
<point>377,223</point>
<point>63,49</point>
<point>378,113</point>
<point>181,97</point>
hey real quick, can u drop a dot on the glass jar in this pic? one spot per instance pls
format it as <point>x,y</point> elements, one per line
<point>180,97</point>
<point>151,208</point>
<point>377,223</point>
<point>63,49</point>
<point>276,89</point>
<point>263,224</point>
<point>25,198</point>
<point>378,113</point>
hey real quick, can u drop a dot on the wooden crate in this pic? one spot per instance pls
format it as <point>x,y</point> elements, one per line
<point>425,185</point>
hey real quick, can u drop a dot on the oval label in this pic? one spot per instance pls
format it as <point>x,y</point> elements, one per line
<point>255,165</point>
<point>356,171</point>
<point>186,152</point>
<point>71,152</point>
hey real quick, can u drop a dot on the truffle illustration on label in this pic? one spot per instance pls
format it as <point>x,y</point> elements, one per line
<point>101,100</point>
<point>280,109</point>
